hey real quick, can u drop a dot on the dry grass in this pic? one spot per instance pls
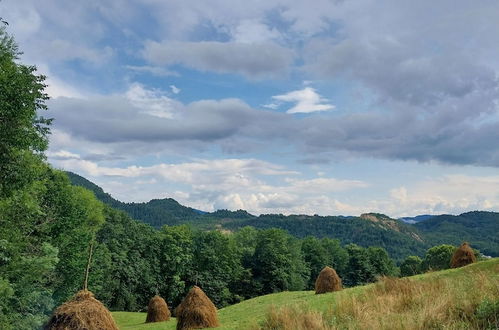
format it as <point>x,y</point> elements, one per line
<point>463,256</point>
<point>327,281</point>
<point>157,311</point>
<point>196,311</point>
<point>82,312</point>
<point>293,317</point>
<point>438,302</point>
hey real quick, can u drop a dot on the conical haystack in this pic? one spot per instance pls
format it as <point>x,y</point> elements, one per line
<point>463,256</point>
<point>327,281</point>
<point>157,311</point>
<point>196,311</point>
<point>82,312</point>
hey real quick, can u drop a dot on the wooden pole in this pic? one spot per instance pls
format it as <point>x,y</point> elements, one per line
<point>87,271</point>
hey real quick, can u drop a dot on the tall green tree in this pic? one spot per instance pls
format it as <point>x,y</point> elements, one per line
<point>411,266</point>
<point>438,257</point>
<point>23,133</point>
<point>359,268</point>
<point>176,253</point>
<point>278,264</point>
<point>216,264</point>
<point>316,258</point>
<point>337,255</point>
<point>383,265</point>
<point>27,260</point>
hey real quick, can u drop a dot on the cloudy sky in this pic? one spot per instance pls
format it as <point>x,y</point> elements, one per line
<point>316,107</point>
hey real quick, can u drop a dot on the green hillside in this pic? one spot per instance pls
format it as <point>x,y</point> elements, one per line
<point>446,299</point>
<point>481,228</point>
<point>157,212</point>
<point>372,229</point>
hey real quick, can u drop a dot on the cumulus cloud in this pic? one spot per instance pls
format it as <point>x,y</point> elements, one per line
<point>447,194</point>
<point>264,187</point>
<point>255,60</point>
<point>222,183</point>
<point>307,100</point>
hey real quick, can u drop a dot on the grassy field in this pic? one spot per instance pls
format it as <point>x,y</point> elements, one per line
<point>461,298</point>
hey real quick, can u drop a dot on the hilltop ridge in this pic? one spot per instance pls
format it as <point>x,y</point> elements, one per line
<point>399,238</point>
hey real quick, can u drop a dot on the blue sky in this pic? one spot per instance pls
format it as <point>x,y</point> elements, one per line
<point>323,107</point>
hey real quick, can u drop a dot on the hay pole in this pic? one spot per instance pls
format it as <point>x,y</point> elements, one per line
<point>87,270</point>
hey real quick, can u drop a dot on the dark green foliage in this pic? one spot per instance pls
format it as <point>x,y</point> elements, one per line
<point>479,227</point>
<point>359,269</point>
<point>157,212</point>
<point>239,214</point>
<point>398,243</point>
<point>381,262</point>
<point>371,229</point>
<point>438,257</point>
<point>22,131</point>
<point>412,265</point>
<point>176,253</point>
<point>316,258</point>
<point>338,256</point>
<point>129,263</point>
<point>277,262</point>
<point>216,264</point>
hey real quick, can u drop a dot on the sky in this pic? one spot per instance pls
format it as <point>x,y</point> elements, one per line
<point>294,107</point>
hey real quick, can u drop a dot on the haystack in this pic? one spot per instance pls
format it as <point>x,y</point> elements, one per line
<point>327,281</point>
<point>196,311</point>
<point>82,312</point>
<point>157,311</point>
<point>463,256</point>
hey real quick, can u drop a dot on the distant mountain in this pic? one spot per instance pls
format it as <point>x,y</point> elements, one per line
<point>371,229</point>
<point>480,228</point>
<point>416,219</point>
<point>156,212</point>
<point>400,237</point>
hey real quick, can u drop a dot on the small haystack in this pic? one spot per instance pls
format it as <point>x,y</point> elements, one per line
<point>327,281</point>
<point>463,256</point>
<point>196,311</point>
<point>157,311</point>
<point>82,312</point>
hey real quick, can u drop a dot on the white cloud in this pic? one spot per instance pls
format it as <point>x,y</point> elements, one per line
<point>62,154</point>
<point>153,102</point>
<point>251,184</point>
<point>175,89</point>
<point>253,31</point>
<point>307,100</point>
<point>453,194</point>
<point>154,70</point>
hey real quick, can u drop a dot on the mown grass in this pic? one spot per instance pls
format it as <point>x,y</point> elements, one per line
<point>463,298</point>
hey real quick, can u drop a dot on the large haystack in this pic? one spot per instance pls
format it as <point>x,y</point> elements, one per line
<point>196,311</point>
<point>327,281</point>
<point>82,312</point>
<point>463,256</point>
<point>157,311</point>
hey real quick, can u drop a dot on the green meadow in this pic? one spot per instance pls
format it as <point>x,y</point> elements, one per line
<point>462,298</point>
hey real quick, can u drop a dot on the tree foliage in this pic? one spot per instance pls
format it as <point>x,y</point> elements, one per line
<point>412,265</point>
<point>438,257</point>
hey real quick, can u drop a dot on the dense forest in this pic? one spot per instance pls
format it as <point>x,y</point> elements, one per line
<point>398,238</point>
<point>48,227</point>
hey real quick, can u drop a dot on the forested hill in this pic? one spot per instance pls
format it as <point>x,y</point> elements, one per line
<point>398,238</point>
<point>479,227</point>
<point>157,212</point>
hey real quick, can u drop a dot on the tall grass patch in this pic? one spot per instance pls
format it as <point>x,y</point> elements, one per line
<point>450,300</point>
